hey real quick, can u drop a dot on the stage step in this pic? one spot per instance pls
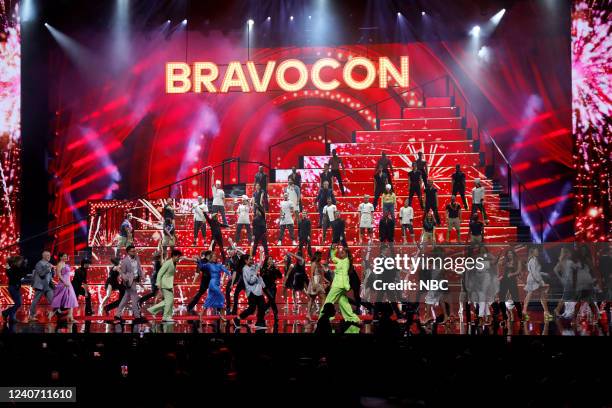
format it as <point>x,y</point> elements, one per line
<point>438,101</point>
<point>426,123</point>
<point>398,160</point>
<point>458,146</point>
<point>419,113</point>
<point>430,135</point>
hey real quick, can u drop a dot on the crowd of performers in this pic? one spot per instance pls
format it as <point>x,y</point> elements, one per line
<point>319,274</point>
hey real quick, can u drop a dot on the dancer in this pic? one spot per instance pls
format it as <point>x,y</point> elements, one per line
<point>324,196</point>
<point>215,233</point>
<point>406,215</point>
<point>169,236</point>
<point>386,228</point>
<point>42,283</point>
<point>17,270</point>
<point>304,233</point>
<point>458,184</point>
<point>64,297</point>
<point>381,179</point>
<point>415,186</point>
<point>429,227</point>
<point>340,286</point>
<point>80,286</point>
<point>431,200</point>
<point>157,264</point>
<point>316,285</point>
<point>130,272</point>
<point>112,283</point>
<point>287,209</point>
<point>254,285</point>
<point>293,192</point>
<point>260,230</point>
<point>204,274</point>
<point>335,163</point>
<point>261,178</point>
<point>168,210</point>
<point>329,215</point>
<point>338,230</point>
<point>295,177</point>
<point>326,175</point>
<point>365,218</point>
<point>476,230</point>
<point>478,195</point>
<point>296,279</point>
<point>260,197</point>
<point>243,221</point>
<point>421,165</point>
<point>387,167</point>
<point>453,216</point>
<point>218,204</point>
<point>389,200</point>
<point>214,299</point>
<point>509,269</point>
<point>535,282</point>
<point>126,232</point>
<point>270,274</point>
<point>165,281</point>
<point>199,222</point>
<point>565,269</point>
<point>232,263</point>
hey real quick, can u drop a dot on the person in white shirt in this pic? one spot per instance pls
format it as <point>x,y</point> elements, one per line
<point>199,222</point>
<point>365,218</point>
<point>478,194</point>
<point>243,213</point>
<point>535,282</point>
<point>218,204</point>
<point>329,215</point>
<point>406,215</point>
<point>287,209</point>
<point>293,191</point>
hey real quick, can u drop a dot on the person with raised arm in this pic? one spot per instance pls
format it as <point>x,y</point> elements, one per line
<point>199,222</point>
<point>218,204</point>
<point>215,233</point>
<point>316,285</point>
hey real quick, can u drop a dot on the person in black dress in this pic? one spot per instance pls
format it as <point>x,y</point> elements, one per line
<point>17,270</point>
<point>80,286</point>
<point>216,237</point>
<point>157,263</point>
<point>112,283</point>
<point>270,274</point>
<point>415,186</point>
<point>296,279</point>
<point>381,179</point>
<point>421,165</point>
<point>458,183</point>
<point>260,231</point>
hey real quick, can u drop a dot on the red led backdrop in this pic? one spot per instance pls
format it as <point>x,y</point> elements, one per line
<point>118,134</point>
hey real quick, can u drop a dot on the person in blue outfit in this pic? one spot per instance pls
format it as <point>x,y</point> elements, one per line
<point>215,298</point>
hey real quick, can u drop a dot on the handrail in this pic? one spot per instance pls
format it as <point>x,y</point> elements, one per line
<point>353,111</point>
<point>141,196</point>
<point>511,174</point>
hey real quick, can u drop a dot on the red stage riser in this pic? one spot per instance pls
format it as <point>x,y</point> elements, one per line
<point>438,101</point>
<point>416,124</point>
<point>417,113</point>
<point>345,149</point>
<point>407,136</point>
<point>370,161</point>
<point>400,174</point>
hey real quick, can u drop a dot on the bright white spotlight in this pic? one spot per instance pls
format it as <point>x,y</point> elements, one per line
<point>250,23</point>
<point>46,24</point>
<point>498,16</point>
<point>185,21</point>
<point>269,18</point>
<point>309,17</point>
<point>483,53</point>
<point>475,31</point>
<point>422,13</point>
<point>167,21</point>
<point>291,18</point>
<point>399,14</point>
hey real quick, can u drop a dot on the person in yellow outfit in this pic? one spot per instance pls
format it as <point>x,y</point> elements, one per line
<point>340,286</point>
<point>165,281</point>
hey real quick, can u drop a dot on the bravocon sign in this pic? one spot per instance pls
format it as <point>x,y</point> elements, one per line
<point>291,75</point>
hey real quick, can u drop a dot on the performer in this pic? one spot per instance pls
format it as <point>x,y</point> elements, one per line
<point>168,210</point>
<point>293,192</point>
<point>380,181</point>
<point>254,285</point>
<point>17,270</point>
<point>535,282</point>
<point>476,230</point>
<point>215,233</point>
<point>340,286</point>
<point>130,272</point>
<point>458,184</point>
<point>564,269</point>
<point>365,218</point>
<point>199,222</point>
<point>215,299</point>
<point>296,279</point>
<point>42,283</point>
<point>406,215</point>
<point>324,195</point>
<point>63,295</point>
<point>233,258</point>
<point>478,194</point>
<point>165,281</point>
<point>218,204</point>
<point>387,167</point>
<point>429,226</point>
<point>304,233</point>
<point>295,177</point>
<point>453,216</point>
<point>287,209</point>
<point>415,186</point>
<point>244,211</point>
<point>204,274</point>
<point>316,285</point>
<point>237,281</point>
<point>329,215</point>
<point>157,264</point>
<point>508,270</point>
<point>125,234</point>
<point>338,230</point>
<point>262,179</point>
<point>169,236</point>
<point>431,200</point>
<point>326,175</point>
<point>260,230</point>
<point>260,197</point>
<point>389,200</point>
<point>112,283</point>
<point>386,228</point>
<point>80,286</point>
<point>270,274</point>
<point>335,163</point>
<point>421,165</point>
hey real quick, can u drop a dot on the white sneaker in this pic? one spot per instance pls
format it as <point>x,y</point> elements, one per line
<point>294,243</point>
<point>279,243</point>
